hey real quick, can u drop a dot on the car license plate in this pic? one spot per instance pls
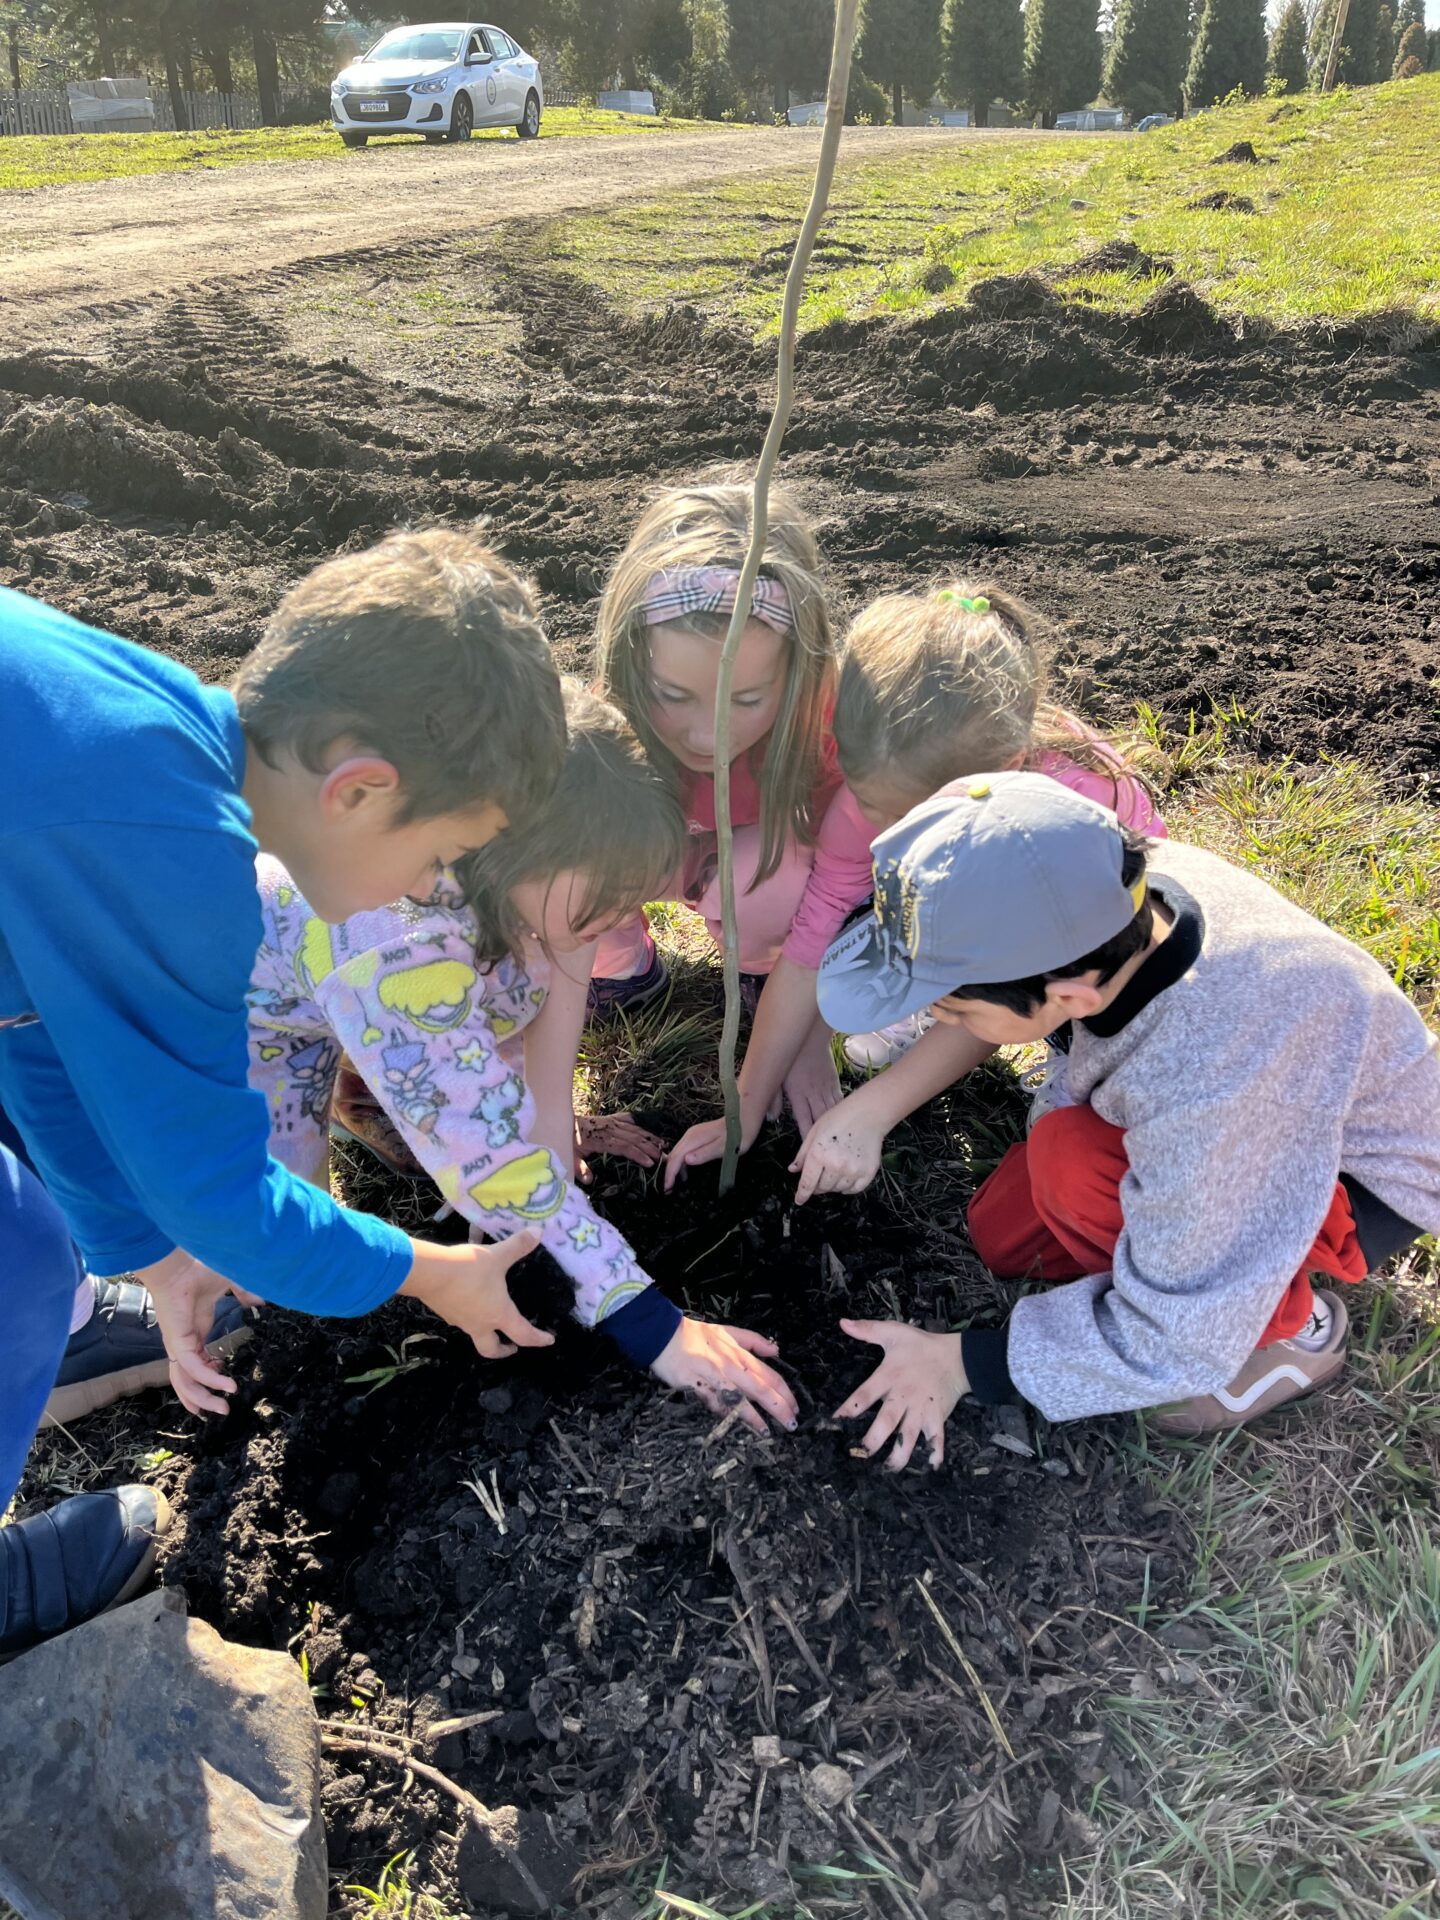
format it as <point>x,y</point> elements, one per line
<point>374,106</point>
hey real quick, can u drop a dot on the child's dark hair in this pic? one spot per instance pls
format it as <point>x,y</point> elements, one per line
<point>426,649</point>
<point>1027,996</point>
<point>611,817</point>
<point>938,685</point>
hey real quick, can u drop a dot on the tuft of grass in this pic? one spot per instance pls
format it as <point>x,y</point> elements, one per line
<point>1343,230</point>
<point>393,1898</point>
<point>29,161</point>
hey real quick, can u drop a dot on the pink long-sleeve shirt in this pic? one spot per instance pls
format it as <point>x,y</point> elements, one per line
<point>840,876</point>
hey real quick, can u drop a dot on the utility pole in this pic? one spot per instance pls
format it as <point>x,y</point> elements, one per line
<point>1337,40</point>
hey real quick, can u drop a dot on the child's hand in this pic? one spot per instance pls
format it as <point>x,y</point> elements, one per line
<point>812,1086</point>
<point>619,1134</point>
<point>917,1385</point>
<point>185,1293</point>
<point>718,1364</point>
<point>466,1286</point>
<point>705,1141</point>
<point>840,1154</point>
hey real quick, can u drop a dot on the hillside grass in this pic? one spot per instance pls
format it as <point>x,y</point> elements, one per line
<point>1345,221</point>
<point>70,159</point>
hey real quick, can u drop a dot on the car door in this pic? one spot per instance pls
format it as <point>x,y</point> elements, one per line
<point>481,79</point>
<point>509,81</point>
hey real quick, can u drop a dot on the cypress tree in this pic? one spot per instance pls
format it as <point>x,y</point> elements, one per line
<point>1384,57</point>
<point>1410,13</point>
<point>1062,55</point>
<point>982,54</point>
<point>1288,71</point>
<point>1229,52</point>
<point>1412,47</point>
<point>899,47</point>
<point>1146,64</point>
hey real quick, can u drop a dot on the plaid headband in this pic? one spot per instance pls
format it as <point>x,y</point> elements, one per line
<point>677,591</point>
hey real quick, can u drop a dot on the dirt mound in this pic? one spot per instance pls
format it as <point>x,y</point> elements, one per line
<point>1178,319</point>
<point>1221,203</point>
<point>1241,154</point>
<point>1118,256</point>
<point>1018,296</point>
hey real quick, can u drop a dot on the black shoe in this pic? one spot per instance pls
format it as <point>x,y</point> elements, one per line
<point>60,1568</point>
<point>607,998</point>
<point>119,1351</point>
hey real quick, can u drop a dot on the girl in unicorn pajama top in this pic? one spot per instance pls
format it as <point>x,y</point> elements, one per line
<point>440,1005</point>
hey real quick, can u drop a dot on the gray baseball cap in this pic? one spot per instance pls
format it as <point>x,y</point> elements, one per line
<point>996,877</point>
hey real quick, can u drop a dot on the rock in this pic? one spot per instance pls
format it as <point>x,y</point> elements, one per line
<point>827,1785</point>
<point>512,1860</point>
<point>149,1767</point>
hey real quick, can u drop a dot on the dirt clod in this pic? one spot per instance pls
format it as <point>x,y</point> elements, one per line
<point>1240,154</point>
<point>1221,203</point>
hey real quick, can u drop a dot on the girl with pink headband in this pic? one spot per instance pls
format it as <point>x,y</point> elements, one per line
<point>802,848</point>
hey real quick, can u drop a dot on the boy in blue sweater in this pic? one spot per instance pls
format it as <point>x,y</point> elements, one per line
<point>401,710</point>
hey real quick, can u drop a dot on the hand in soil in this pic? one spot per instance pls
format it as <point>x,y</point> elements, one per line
<point>839,1154</point>
<point>619,1134</point>
<point>812,1086</point>
<point>719,1364</point>
<point>704,1141</point>
<point>466,1286</point>
<point>916,1385</point>
<point>185,1293</point>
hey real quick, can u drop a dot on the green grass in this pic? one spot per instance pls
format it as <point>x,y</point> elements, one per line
<point>67,159</point>
<point>1344,226</point>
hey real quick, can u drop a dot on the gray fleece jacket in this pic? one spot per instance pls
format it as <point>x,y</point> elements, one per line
<point>1283,1057</point>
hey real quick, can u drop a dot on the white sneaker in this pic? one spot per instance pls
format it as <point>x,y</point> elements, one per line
<point>1047,1086</point>
<point>871,1051</point>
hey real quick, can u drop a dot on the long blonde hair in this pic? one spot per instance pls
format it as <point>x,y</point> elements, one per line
<point>706,523</point>
<point>611,816</point>
<point>933,688</point>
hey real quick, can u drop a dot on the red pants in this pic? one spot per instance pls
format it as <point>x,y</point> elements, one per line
<point>1052,1208</point>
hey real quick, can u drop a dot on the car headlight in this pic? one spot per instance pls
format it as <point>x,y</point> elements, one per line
<point>430,86</point>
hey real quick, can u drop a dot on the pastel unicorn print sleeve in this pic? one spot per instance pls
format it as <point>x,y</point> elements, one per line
<point>424,1026</point>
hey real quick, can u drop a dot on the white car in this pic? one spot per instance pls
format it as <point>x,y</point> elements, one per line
<point>441,81</point>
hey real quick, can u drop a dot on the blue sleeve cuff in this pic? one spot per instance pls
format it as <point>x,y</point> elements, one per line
<point>643,1327</point>
<point>984,1354</point>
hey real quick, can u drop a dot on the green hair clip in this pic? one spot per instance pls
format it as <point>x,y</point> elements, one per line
<point>978,605</point>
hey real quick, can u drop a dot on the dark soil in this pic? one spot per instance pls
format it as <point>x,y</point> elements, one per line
<point>1221,203</point>
<point>1211,516</point>
<point>1242,154</point>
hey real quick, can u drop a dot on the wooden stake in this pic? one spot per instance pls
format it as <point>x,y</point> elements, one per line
<point>845,12</point>
<point>1337,40</point>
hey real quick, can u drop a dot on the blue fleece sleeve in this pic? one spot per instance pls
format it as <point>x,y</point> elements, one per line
<point>135,944</point>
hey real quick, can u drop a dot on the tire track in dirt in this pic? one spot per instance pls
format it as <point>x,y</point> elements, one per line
<point>74,256</point>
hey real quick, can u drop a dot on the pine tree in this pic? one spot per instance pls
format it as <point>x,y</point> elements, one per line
<point>1229,52</point>
<point>1411,47</point>
<point>899,46</point>
<point>1356,64</point>
<point>1384,57</point>
<point>785,47</point>
<point>1288,70</point>
<point>1062,56</point>
<point>982,54</point>
<point>1146,64</point>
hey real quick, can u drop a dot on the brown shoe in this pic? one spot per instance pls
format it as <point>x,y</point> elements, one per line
<point>355,1114</point>
<point>1285,1370</point>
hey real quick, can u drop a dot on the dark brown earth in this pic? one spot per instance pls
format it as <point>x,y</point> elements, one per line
<point>1212,518</point>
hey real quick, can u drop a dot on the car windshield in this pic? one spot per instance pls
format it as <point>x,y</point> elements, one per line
<point>419,43</point>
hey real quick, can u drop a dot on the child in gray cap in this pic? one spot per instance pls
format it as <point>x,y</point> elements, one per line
<point>1249,1100</point>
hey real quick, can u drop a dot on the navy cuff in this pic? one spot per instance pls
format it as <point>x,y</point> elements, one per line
<point>984,1355</point>
<point>643,1327</point>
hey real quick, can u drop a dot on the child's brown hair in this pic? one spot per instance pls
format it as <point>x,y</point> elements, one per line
<point>611,817</point>
<point>706,523</point>
<point>428,651</point>
<point>938,685</point>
